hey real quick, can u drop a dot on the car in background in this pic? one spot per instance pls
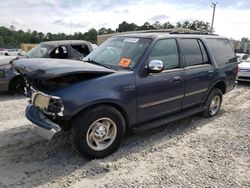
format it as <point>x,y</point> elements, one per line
<point>12,52</point>
<point>241,57</point>
<point>13,82</point>
<point>244,70</point>
<point>67,49</point>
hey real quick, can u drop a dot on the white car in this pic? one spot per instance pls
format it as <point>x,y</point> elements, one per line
<point>244,70</point>
<point>12,52</point>
<point>241,57</point>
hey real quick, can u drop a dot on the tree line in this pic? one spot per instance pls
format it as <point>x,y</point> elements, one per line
<point>12,38</point>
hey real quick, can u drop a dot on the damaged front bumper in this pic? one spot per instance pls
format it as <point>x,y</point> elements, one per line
<point>43,125</point>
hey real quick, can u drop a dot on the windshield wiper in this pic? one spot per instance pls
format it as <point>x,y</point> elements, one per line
<point>97,63</point>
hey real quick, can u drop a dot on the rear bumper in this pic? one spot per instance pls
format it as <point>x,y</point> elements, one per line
<point>244,78</point>
<point>43,126</point>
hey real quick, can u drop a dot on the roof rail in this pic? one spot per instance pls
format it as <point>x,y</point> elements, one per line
<point>179,31</point>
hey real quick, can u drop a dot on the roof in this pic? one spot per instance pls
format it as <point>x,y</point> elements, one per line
<point>179,32</point>
<point>165,34</point>
<point>64,42</point>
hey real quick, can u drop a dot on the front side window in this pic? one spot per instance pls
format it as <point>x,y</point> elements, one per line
<point>192,51</point>
<point>166,51</point>
<point>119,52</point>
<point>59,52</point>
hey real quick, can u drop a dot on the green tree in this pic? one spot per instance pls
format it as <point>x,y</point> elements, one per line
<point>124,26</point>
<point>1,42</point>
<point>91,35</point>
<point>167,25</point>
<point>244,39</point>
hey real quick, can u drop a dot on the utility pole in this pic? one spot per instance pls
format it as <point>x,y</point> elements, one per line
<point>214,7</point>
<point>70,27</point>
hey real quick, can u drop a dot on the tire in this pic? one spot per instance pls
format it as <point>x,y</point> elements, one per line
<point>89,128</point>
<point>17,85</point>
<point>213,103</point>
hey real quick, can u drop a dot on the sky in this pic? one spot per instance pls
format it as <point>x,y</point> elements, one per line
<point>232,17</point>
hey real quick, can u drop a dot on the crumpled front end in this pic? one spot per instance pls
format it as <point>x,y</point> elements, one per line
<point>41,110</point>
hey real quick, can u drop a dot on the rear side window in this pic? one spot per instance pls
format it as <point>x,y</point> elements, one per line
<point>82,49</point>
<point>222,50</point>
<point>194,52</point>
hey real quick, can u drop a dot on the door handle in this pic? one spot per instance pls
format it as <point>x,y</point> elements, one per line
<point>210,71</point>
<point>177,79</point>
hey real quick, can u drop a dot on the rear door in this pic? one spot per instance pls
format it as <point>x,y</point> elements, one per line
<point>198,71</point>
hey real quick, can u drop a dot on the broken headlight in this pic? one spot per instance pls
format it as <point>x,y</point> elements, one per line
<point>51,105</point>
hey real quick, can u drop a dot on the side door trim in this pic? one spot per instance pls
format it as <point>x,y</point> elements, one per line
<point>161,101</point>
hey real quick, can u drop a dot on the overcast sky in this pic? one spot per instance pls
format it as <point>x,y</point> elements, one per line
<point>232,18</point>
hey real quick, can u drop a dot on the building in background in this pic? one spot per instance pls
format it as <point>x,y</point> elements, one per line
<point>27,47</point>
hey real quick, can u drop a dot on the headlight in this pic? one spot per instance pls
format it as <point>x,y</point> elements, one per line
<point>49,104</point>
<point>2,74</point>
<point>41,101</point>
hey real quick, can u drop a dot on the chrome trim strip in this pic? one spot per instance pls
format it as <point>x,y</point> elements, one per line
<point>173,70</point>
<point>166,71</point>
<point>198,66</point>
<point>195,92</point>
<point>160,101</point>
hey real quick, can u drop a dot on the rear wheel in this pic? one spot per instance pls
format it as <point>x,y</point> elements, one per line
<point>213,103</point>
<point>98,132</point>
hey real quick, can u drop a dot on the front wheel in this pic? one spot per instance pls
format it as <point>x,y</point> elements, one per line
<point>213,103</point>
<point>98,132</point>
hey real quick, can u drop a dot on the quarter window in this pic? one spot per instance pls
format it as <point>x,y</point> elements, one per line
<point>222,50</point>
<point>166,50</point>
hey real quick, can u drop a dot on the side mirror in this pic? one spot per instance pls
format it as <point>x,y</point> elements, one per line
<point>155,66</point>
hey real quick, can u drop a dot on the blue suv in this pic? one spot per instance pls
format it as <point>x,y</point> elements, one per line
<point>133,81</point>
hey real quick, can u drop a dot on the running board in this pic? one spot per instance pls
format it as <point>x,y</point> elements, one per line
<point>168,119</point>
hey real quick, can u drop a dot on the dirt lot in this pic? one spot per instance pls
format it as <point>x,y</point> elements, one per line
<point>193,152</point>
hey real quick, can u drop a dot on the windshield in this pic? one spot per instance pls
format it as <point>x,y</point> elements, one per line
<point>40,51</point>
<point>119,53</point>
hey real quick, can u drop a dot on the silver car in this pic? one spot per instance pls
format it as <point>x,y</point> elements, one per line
<point>244,70</point>
<point>9,79</point>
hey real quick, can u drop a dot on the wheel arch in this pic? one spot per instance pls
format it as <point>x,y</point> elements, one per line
<point>113,104</point>
<point>220,84</point>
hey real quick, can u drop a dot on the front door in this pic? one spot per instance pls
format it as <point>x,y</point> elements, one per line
<point>159,94</point>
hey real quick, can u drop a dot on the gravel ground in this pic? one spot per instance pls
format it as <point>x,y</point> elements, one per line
<point>193,152</point>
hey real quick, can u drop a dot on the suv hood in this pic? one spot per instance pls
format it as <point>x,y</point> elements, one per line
<point>45,69</point>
